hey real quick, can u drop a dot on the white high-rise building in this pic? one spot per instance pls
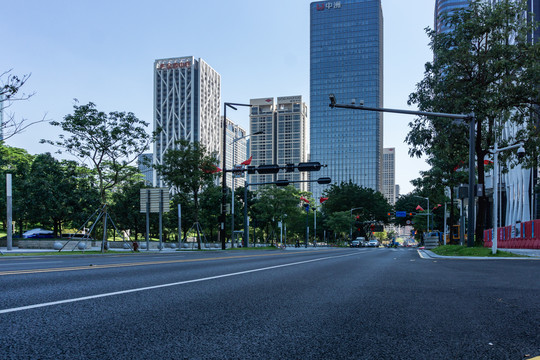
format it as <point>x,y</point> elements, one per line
<point>285,139</point>
<point>187,96</point>
<point>389,175</point>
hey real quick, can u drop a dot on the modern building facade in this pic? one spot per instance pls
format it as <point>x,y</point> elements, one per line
<point>389,175</point>
<point>446,7</point>
<point>237,151</point>
<point>144,164</point>
<point>284,140</point>
<point>187,96</point>
<point>346,59</point>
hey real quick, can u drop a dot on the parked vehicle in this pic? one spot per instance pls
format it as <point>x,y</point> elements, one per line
<point>37,233</point>
<point>355,243</point>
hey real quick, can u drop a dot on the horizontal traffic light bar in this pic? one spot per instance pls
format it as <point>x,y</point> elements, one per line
<point>274,168</point>
<point>283,182</point>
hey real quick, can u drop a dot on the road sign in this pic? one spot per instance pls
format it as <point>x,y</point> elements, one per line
<point>408,222</point>
<point>154,195</point>
<point>401,213</point>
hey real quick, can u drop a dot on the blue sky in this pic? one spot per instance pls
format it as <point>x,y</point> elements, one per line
<point>103,51</point>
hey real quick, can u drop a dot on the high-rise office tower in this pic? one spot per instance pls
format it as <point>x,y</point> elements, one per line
<point>446,6</point>
<point>346,59</point>
<point>389,175</point>
<point>187,95</point>
<point>284,141</point>
<point>144,164</point>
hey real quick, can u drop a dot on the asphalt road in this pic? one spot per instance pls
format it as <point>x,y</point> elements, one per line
<point>321,304</point>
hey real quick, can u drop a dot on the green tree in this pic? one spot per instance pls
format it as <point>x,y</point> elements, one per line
<point>274,202</point>
<point>110,142</point>
<point>485,66</point>
<point>188,168</point>
<point>17,162</point>
<point>47,192</point>
<point>126,206</point>
<point>210,211</point>
<point>346,196</point>
<point>339,222</point>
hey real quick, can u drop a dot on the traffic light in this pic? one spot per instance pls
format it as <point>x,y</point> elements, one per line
<point>282,182</point>
<point>251,169</point>
<point>289,168</point>
<point>324,180</point>
<point>411,214</point>
<point>268,169</point>
<point>309,166</point>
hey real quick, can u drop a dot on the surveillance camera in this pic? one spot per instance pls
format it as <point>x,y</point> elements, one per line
<point>332,100</point>
<point>521,152</point>
<point>361,102</point>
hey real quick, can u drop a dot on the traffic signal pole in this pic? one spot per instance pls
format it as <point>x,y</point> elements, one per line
<point>466,117</point>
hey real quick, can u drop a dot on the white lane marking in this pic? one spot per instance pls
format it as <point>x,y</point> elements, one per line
<point>66,301</point>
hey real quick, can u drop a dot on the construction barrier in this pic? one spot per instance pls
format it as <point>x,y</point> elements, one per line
<point>525,235</point>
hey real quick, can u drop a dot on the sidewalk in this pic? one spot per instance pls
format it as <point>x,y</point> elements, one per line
<point>533,254</point>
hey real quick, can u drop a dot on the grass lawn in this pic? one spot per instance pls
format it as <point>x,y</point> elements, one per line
<point>458,250</point>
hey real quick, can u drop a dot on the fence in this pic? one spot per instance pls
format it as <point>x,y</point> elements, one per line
<point>525,235</point>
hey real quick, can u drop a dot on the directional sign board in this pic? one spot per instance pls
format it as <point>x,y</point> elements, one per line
<point>155,195</point>
<point>401,213</point>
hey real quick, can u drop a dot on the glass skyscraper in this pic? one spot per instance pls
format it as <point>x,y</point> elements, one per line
<point>346,59</point>
<point>446,6</point>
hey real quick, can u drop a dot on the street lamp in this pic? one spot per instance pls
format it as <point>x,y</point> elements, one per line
<point>222,231</point>
<point>356,208</point>
<point>233,143</point>
<point>495,152</point>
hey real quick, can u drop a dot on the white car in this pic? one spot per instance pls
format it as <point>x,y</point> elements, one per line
<point>373,243</point>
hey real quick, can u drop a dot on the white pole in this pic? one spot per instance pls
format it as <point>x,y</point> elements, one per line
<point>281,231</point>
<point>495,196</point>
<point>315,228</point>
<point>232,199</point>
<point>444,226</point>
<point>427,214</point>
<point>9,213</point>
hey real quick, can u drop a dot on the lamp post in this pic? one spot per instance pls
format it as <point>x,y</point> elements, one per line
<point>222,231</point>
<point>495,153</point>
<point>356,208</point>
<point>233,143</point>
<point>466,117</point>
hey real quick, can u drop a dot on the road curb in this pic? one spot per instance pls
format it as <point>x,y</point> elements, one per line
<point>428,254</point>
